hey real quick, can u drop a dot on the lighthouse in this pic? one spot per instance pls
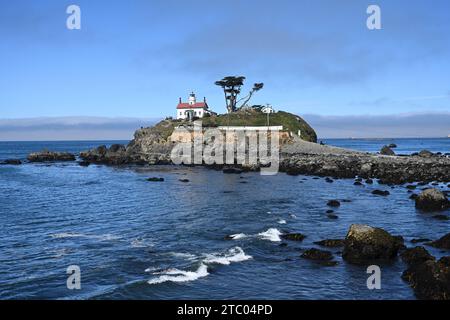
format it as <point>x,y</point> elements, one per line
<point>192,109</point>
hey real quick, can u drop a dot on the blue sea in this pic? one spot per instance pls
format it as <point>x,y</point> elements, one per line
<point>134,239</point>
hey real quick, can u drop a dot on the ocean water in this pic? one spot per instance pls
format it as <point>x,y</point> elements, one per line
<point>134,239</point>
<point>404,145</point>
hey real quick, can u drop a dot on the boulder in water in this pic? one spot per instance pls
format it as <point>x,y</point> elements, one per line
<point>155,179</point>
<point>293,236</point>
<point>432,200</point>
<point>365,243</point>
<point>50,156</point>
<point>381,192</point>
<point>333,203</point>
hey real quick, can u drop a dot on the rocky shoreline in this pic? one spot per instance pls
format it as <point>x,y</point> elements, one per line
<point>299,158</point>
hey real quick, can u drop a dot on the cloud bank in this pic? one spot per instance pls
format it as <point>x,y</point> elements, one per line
<point>414,125</point>
<point>71,128</point>
<point>98,128</point>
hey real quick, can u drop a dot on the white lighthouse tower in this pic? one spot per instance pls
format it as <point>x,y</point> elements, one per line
<point>192,100</point>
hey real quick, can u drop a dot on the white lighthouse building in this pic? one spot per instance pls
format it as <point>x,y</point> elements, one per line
<point>192,108</point>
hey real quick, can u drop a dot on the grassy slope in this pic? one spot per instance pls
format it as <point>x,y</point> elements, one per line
<point>289,121</point>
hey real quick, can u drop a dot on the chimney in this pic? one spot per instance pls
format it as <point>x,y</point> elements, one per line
<point>204,99</point>
<point>180,99</point>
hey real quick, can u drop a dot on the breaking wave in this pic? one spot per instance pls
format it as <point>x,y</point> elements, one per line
<point>235,254</point>
<point>238,236</point>
<point>272,234</point>
<point>176,275</point>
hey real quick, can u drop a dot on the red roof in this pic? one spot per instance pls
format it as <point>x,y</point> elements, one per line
<point>198,105</point>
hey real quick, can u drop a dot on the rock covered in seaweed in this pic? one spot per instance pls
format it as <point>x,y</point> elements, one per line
<point>365,243</point>
<point>50,156</point>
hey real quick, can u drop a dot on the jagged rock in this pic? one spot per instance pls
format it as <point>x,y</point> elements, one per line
<point>14,162</point>
<point>381,192</point>
<point>183,180</point>
<point>357,183</point>
<point>49,156</point>
<point>333,203</point>
<point>442,243</point>
<point>84,163</point>
<point>329,211</point>
<point>155,179</point>
<point>329,180</point>
<point>413,196</point>
<point>293,236</point>
<point>369,181</point>
<point>411,187</point>
<point>386,151</point>
<point>332,243</point>
<point>365,243</point>
<point>432,200</point>
<point>392,145</point>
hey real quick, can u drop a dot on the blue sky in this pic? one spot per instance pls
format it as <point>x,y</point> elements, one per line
<point>135,58</point>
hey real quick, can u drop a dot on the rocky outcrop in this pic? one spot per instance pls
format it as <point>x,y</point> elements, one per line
<point>432,200</point>
<point>425,154</point>
<point>49,156</point>
<point>392,170</point>
<point>116,155</point>
<point>430,279</point>
<point>154,145</point>
<point>386,151</point>
<point>364,243</point>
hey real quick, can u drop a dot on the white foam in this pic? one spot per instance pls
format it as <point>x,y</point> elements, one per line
<point>271,234</point>
<point>140,243</point>
<point>65,235</point>
<point>282,221</point>
<point>235,254</point>
<point>176,275</point>
<point>182,255</point>
<point>238,236</point>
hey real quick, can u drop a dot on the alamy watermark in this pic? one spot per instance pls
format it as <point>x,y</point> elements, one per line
<point>244,146</point>
<point>73,21</point>
<point>74,280</point>
<point>374,280</point>
<point>373,22</point>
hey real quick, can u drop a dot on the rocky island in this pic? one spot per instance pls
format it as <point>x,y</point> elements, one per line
<point>298,154</point>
